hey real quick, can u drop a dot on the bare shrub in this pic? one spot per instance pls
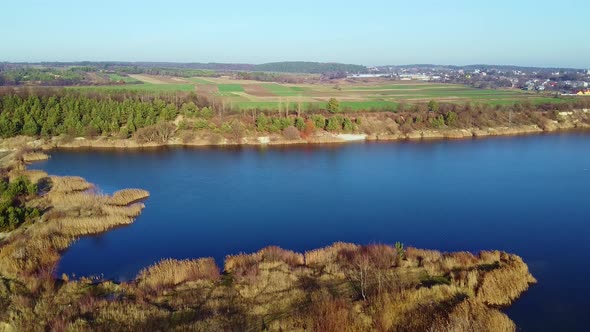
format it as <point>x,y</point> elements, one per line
<point>237,132</point>
<point>291,133</point>
<point>159,133</point>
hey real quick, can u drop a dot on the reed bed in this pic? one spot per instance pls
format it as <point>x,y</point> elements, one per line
<point>71,211</point>
<point>35,176</point>
<point>29,157</point>
<point>171,272</point>
<point>82,202</point>
<point>80,226</point>
<point>470,315</point>
<point>242,263</point>
<point>327,255</point>
<point>133,210</point>
<point>68,184</point>
<point>501,286</point>
<point>128,196</point>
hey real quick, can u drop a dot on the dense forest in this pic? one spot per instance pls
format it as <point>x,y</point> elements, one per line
<point>77,114</point>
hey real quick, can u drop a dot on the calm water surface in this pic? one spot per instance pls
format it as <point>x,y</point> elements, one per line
<point>526,195</point>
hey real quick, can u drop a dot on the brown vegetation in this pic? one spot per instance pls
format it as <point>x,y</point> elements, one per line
<point>29,157</point>
<point>159,133</point>
<point>127,196</point>
<point>171,273</point>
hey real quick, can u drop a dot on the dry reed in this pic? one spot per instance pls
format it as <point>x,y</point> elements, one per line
<point>29,157</point>
<point>171,272</point>
<point>128,196</point>
<point>68,184</point>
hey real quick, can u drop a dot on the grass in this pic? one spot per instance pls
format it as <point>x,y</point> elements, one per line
<point>282,90</point>
<point>224,88</point>
<point>198,80</point>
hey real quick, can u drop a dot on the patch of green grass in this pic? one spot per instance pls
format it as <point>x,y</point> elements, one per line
<point>223,88</point>
<point>368,105</point>
<point>199,80</point>
<point>282,90</point>
<point>270,105</point>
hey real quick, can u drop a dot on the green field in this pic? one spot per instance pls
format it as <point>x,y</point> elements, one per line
<point>282,90</point>
<point>385,95</point>
<point>199,80</point>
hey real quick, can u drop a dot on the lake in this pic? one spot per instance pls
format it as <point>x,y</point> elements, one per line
<point>525,195</point>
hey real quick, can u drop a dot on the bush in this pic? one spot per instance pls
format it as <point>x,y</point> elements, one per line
<point>262,122</point>
<point>13,194</point>
<point>158,133</point>
<point>333,105</point>
<point>237,131</point>
<point>299,123</point>
<point>450,118</point>
<point>433,106</point>
<point>206,113</point>
<point>319,121</point>
<point>282,123</point>
<point>201,124</point>
<point>334,123</point>
<point>347,125</point>
<point>291,133</point>
<point>438,121</point>
<point>309,128</point>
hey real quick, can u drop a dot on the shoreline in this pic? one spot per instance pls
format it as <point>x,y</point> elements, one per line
<point>322,139</point>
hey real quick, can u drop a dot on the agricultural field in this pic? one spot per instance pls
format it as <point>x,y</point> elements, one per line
<point>353,95</point>
<point>125,79</point>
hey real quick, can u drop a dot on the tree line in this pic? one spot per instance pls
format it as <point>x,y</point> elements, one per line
<point>78,114</point>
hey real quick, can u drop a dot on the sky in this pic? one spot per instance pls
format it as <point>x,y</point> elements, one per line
<point>544,33</point>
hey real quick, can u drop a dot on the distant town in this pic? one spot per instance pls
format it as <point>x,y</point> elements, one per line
<point>560,81</point>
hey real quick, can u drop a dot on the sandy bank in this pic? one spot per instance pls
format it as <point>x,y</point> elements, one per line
<point>320,138</point>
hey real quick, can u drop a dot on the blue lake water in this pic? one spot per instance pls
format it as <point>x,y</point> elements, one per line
<point>525,195</point>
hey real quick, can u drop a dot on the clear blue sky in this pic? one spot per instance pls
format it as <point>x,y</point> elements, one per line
<point>370,32</point>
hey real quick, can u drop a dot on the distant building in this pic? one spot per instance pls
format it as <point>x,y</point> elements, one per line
<point>368,75</point>
<point>416,77</point>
